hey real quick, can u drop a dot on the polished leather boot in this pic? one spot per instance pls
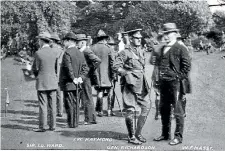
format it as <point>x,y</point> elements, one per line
<point>130,127</point>
<point>140,124</point>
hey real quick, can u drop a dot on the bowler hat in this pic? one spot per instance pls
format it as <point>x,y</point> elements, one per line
<point>70,36</point>
<point>55,36</point>
<point>81,37</point>
<point>111,41</point>
<point>44,35</point>
<point>169,27</point>
<point>135,33</point>
<point>101,34</point>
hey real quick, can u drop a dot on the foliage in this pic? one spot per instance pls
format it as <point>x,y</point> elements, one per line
<point>28,18</point>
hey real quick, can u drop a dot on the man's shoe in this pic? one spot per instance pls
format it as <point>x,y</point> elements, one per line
<point>90,123</point>
<point>51,129</point>
<point>59,115</point>
<point>161,138</point>
<point>175,141</point>
<point>134,140</point>
<point>141,138</point>
<point>39,130</point>
<point>100,114</point>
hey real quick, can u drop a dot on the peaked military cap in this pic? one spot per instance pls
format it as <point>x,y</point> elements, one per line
<point>81,37</point>
<point>135,33</point>
<point>102,34</point>
<point>70,35</point>
<point>44,35</point>
<point>170,27</point>
<point>55,36</point>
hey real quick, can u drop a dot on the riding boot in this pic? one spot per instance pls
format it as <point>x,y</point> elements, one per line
<point>140,124</point>
<point>130,127</point>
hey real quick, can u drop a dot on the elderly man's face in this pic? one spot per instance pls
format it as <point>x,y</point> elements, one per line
<point>171,36</point>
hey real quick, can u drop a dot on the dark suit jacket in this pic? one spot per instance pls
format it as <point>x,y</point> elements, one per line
<point>73,66</point>
<point>104,52</point>
<point>180,60</point>
<point>44,69</point>
<point>93,61</point>
<point>181,63</point>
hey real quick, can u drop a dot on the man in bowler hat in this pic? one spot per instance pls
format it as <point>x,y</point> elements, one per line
<point>73,71</point>
<point>93,62</point>
<point>174,66</point>
<point>46,81</point>
<point>130,65</point>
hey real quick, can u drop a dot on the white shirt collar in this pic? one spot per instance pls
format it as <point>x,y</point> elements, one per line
<point>45,45</point>
<point>82,48</point>
<point>171,43</point>
<point>71,46</point>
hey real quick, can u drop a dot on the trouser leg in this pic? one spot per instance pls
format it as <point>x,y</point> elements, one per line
<point>59,100</point>
<point>157,101</point>
<point>42,98</point>
<point>69,106</point>
<point>179,111</point>
<point>88,102</point>
<point>52,109</point>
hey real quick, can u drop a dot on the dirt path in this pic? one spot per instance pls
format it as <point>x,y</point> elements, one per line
<point>204,125</point>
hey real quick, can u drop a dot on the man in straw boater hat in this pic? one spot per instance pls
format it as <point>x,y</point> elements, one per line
<point>57,47</point>
<point>73,71</point>
<point>174,66</point>
<point>103,72</point>
<point>93,62</point>
<point>46,81</point>
<point>130,65</point>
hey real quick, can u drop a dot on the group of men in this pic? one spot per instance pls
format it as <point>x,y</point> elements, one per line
<point>80,66</point>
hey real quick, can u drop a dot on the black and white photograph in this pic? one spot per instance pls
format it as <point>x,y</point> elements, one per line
<point>113,75</point>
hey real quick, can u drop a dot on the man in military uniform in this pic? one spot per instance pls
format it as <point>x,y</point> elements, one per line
<point>104,71</point>
<point>174,66</point>
<point>93,62</point>
<point>73,70</point>
<point>130,65</point>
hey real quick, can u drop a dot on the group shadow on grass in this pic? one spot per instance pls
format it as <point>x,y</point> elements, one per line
<point>29,120</point>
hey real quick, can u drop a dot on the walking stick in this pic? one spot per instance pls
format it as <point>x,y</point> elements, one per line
<point>6,101</point>
<point>117,100</point>
<point>77,104</point>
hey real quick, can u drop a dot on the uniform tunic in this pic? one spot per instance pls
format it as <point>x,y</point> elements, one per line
<point>133,82</point>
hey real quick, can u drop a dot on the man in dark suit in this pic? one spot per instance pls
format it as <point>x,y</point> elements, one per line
<point>46,81</point>
<point>73,71</point>
<point>93,62</point>
<point>174,66</point>
<point>104,71</point>
<point>56,46</point>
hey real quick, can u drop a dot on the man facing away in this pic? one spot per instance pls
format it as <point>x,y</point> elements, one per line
<point>130,65</point>
<point>93,62</point>
<point>56,45</point>
<point>174,66</point>
<point>46,82</point>
<point>73,71</point>
<point>104,71</point>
